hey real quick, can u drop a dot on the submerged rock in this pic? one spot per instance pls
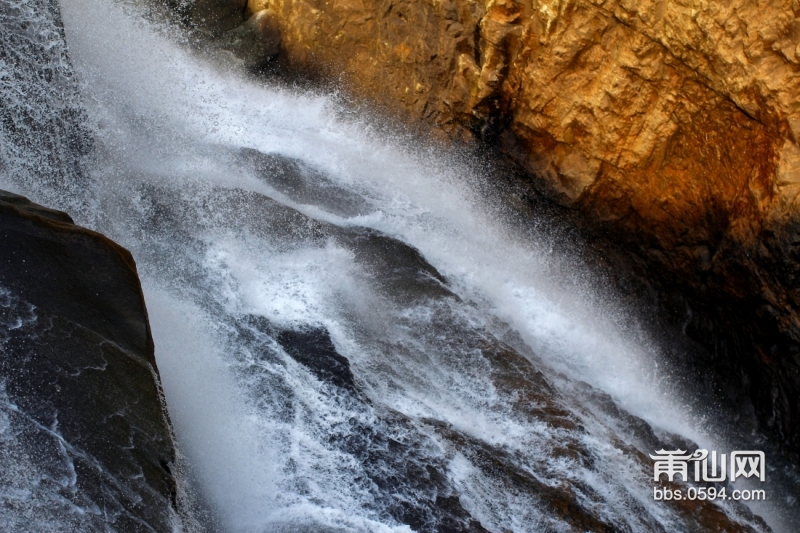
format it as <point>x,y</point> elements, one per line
<point>302,184</point>
<point>85,442</point>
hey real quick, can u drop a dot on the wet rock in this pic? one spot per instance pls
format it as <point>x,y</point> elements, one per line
<point>303,184</point>
<point>232,209</point>
<point>256,41</point>
<point>80,384</point>
<point>313,348</point>
<point>9,199</point>
<point>218,16</point>
<point>392,266</point>
<point>253,38</point>
<point>410,484</point>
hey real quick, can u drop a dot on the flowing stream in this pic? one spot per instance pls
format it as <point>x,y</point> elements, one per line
<point>351,335</point>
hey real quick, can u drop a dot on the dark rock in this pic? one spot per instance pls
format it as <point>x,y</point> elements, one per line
<point>313,348</point>
<point>23,204</point>
<point>396,268</point>
<point>253,38</point>
<point>218,15</point>
<point>256,41</point>
<point>81,384</point>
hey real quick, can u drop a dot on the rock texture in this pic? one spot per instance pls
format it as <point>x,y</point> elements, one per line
<point>672,125</point>
<point>80,399</point>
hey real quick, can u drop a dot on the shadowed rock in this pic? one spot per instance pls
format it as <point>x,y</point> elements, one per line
<point>80,383</point>
<point>228,25</point>
<point>313,348</point>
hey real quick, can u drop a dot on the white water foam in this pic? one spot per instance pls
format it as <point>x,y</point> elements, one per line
<point>161,104</point>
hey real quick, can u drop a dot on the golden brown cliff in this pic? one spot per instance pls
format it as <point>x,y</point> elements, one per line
<point>673,124</point>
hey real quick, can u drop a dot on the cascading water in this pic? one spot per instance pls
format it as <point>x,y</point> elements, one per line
<point>350,337</point>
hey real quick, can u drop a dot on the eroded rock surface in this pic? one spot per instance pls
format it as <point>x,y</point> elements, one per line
<point>672,125</point>
<point>85,444</point>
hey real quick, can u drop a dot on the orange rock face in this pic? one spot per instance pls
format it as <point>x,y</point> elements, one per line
<point>673,124</point>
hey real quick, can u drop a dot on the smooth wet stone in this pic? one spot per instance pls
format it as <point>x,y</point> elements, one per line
<point>80,387</point>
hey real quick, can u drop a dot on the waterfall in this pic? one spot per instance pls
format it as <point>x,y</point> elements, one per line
<point>43,136</point>
<point>351,333</point>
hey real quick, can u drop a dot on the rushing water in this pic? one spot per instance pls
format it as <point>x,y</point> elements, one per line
<point>350,336</point>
